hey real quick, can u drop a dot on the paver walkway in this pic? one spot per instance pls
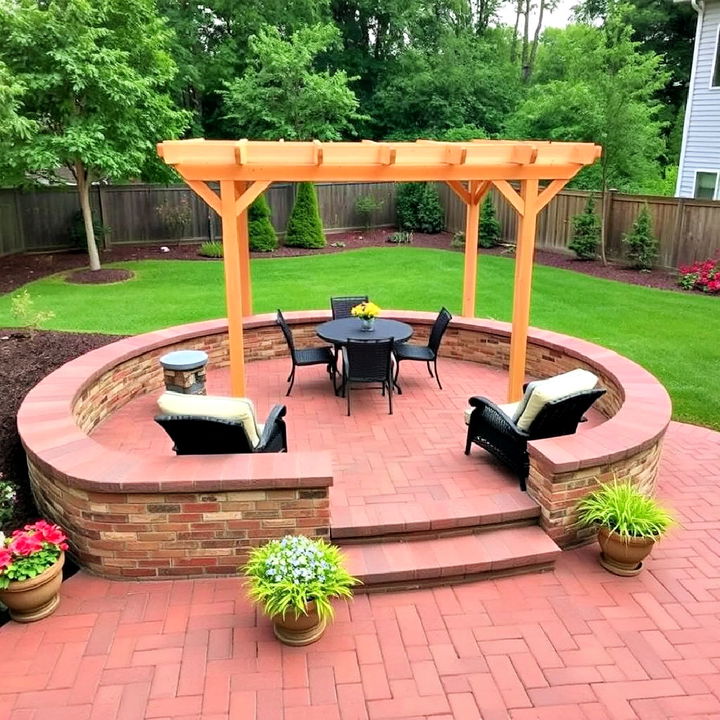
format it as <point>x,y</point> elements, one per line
<point>576,643</point>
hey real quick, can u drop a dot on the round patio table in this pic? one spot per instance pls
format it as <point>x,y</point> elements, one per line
<point>338,332</point>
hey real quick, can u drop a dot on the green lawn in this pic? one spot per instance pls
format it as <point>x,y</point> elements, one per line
<point>668,333</point>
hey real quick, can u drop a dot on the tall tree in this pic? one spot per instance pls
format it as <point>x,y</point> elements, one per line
<point>95,74</point>
<point>283,95</point>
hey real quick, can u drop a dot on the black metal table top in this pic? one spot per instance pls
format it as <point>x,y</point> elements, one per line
<point>338,332</point>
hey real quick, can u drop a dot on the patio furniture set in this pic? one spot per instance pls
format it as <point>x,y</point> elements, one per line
<point>201,425</point>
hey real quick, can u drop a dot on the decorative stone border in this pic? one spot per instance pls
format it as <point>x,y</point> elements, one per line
<point>148,516</point>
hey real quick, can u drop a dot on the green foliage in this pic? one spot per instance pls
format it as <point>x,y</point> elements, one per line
<point>91,79</point>
<point>458,240</point>
<point>285,575</point>
<point>401,237</point>
<point>640,241</point>
<point>281,95</point>
<point>260,227</point>
<point>418,208</point>
<point>23,311</point>
<point>211,249</point>
<point>365,206</point>
<point>30,552</point>
<point>8,498</point>
<point>176,217</point>
<point>586,232</point>
<point>304,227</point>
<point>596,85</point>
<point>622,508</point>
<point>490,230</point>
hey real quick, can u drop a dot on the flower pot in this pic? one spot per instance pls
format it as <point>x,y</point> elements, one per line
<point>35,598</point>
<point>301,630</point>
<point>367,324</point>
<point>623,554</point>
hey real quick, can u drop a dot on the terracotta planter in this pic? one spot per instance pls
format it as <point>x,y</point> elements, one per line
<point>35,598</point>
<point>621,554</point>
<point>301,630</point>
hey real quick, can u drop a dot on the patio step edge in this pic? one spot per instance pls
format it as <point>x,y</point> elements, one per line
<point>448,560</point>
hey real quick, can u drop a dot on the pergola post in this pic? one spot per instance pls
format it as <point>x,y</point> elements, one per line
<point>244,244</point>
<point>472,199</point>
<point>232,262</point>
<point>525,249</point>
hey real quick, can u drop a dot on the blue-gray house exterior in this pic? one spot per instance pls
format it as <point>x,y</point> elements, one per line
<point>699,174</point>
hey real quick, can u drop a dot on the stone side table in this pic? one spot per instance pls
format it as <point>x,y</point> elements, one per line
<point>184,371</point>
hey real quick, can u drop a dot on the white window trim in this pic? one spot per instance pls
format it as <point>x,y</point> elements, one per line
<point>714,171</point>
<point>715,66</point>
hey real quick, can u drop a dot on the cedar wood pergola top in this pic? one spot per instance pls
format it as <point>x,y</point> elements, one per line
<point>376,161</point>
<point>246,168</point>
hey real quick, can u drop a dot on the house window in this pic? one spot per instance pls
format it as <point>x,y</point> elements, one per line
<point>706,185</point>
<point>715,82</point>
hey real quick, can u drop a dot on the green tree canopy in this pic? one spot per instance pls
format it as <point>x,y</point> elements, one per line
<point>94,74</point>
<point>595,85</point>
<point>283,95</point>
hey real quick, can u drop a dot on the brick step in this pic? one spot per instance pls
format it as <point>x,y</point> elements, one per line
<point>370,522</point>
<point>449,560</point>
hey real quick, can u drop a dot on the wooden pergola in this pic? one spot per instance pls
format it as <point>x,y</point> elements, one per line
<point>246,168</point>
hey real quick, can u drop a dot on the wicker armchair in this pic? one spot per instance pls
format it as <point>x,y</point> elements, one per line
<point>341,306</point>
<point>307,356</point>
<point>425,353</point>
<point>365,362</point>
<point>491,428</point>
<point>202,435</point>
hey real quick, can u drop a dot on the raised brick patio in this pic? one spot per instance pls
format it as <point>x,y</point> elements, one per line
<point>575,643</point>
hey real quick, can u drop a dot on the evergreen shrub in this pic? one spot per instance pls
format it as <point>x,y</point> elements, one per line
<point>490,231</point>
<point>586,232</point>
<point>418,208</point>
<point>260,228</point>
<point>304,227</point>
<point>640,241</point>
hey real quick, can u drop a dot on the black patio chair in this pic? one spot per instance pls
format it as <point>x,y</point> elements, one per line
<point>495,431</point>
<point>306,356</point>
<point>203,435</point>
<point>341,306</point>
<point>425,353</point>
<point>365,362</point>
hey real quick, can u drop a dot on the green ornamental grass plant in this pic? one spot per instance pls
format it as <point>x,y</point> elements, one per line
<point>622,508</point>
<point>287,574</point>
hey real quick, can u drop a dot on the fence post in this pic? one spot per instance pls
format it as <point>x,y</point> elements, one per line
<point>679,232</point>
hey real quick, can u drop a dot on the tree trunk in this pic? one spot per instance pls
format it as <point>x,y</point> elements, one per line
<point>83,186</point>
<point>526,38</point>
<point>513,46</point>
<point>528,69</point>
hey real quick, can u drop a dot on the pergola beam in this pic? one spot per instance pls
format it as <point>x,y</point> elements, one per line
<point>201,188</point>
<point>460,190</point>
<point>247,197</point>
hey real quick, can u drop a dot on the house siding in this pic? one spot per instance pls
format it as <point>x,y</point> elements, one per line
<point>701,144</point>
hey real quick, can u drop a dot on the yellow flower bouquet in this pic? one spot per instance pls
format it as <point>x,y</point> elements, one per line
<point>366,311</point>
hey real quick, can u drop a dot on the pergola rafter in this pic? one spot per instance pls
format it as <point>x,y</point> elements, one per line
<point>245,169</point>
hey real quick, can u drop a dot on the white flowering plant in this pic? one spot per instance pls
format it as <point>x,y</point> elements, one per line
<point>8,498</point>
<point>289,573</point>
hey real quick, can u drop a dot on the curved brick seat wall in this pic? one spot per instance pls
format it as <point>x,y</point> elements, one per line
<point>149,516</point>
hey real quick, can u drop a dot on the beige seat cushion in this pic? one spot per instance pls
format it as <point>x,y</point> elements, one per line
<point>508,408</point>
<point>554,388</point>
<point>216,406</point>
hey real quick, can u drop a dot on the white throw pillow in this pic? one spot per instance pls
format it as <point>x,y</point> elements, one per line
<point>554,388</point>
<point>216,406</point>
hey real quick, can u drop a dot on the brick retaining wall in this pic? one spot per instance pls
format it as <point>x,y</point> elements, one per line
<point>182,516</point>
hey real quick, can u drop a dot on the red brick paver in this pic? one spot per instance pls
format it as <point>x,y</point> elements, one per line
<point>574,643</point>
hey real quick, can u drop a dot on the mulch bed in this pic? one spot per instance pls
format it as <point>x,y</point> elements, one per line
<point>26,358</point>
<point>104,276</point>
<point>20,269</point>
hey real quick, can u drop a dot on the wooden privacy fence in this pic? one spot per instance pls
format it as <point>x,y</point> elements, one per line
<point>687,230</point>
<point>41,219</point>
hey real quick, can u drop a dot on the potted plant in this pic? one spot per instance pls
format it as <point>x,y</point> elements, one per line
<point>294,579</point>
<point>629,524</point>
<point>367,312</point>
<point>31,562</point>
